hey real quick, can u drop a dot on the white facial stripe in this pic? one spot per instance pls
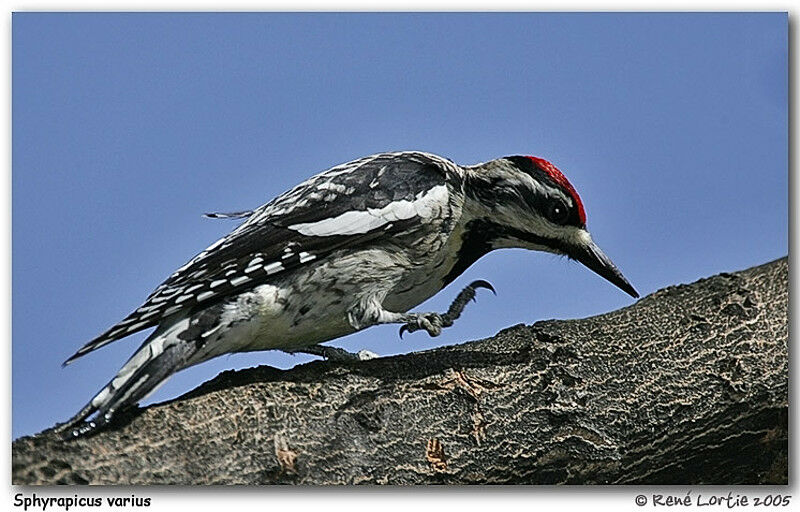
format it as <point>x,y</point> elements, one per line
<point>571,235</point>
<point>543,189</point>
<point>578,237</point>
<point>360,221</point>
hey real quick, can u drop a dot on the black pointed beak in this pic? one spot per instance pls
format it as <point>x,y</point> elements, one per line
<point>590,255</point>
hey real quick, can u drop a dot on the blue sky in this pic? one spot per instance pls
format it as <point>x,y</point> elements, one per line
<point>127,127</point>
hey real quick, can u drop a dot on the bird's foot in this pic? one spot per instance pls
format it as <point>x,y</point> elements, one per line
<point>433,323</point>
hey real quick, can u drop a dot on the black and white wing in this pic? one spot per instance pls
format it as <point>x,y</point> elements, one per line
<point>346,206</point>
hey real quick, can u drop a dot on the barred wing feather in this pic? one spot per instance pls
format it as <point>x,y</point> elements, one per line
<point>345,207</point>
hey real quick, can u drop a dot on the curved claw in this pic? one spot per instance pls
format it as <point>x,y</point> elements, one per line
<point>480,283</point>
<point>403,328</point>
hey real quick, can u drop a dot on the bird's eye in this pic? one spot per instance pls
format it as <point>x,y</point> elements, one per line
<point>557,212</point>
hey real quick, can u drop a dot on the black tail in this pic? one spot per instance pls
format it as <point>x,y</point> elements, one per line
<point>161,355</point>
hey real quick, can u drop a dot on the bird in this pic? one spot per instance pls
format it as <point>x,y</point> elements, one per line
<point>357,245</point>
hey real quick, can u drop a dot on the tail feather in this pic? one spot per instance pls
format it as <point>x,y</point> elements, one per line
<point>161,355</point>
<point>118,331</point>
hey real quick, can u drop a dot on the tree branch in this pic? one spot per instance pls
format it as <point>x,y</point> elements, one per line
<point>689,385</point>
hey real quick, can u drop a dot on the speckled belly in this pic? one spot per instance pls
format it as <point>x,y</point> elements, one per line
<point>311,307</point>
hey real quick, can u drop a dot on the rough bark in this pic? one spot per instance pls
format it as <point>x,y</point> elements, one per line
<point>689,385</point>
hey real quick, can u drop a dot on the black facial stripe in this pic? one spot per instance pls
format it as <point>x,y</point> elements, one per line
<point>551,243</point>
<point>476,242</point>
<point>492,191</point>
<point>478,238</point>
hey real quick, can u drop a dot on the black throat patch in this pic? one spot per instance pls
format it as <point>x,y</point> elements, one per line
<point>476,242</point>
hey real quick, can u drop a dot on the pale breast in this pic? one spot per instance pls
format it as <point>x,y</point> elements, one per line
<point>426,280</point>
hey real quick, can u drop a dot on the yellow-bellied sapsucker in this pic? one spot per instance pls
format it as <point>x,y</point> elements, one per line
<point>357,245</point>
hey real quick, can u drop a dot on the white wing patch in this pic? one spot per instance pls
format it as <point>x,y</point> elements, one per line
<point>356,222</point>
